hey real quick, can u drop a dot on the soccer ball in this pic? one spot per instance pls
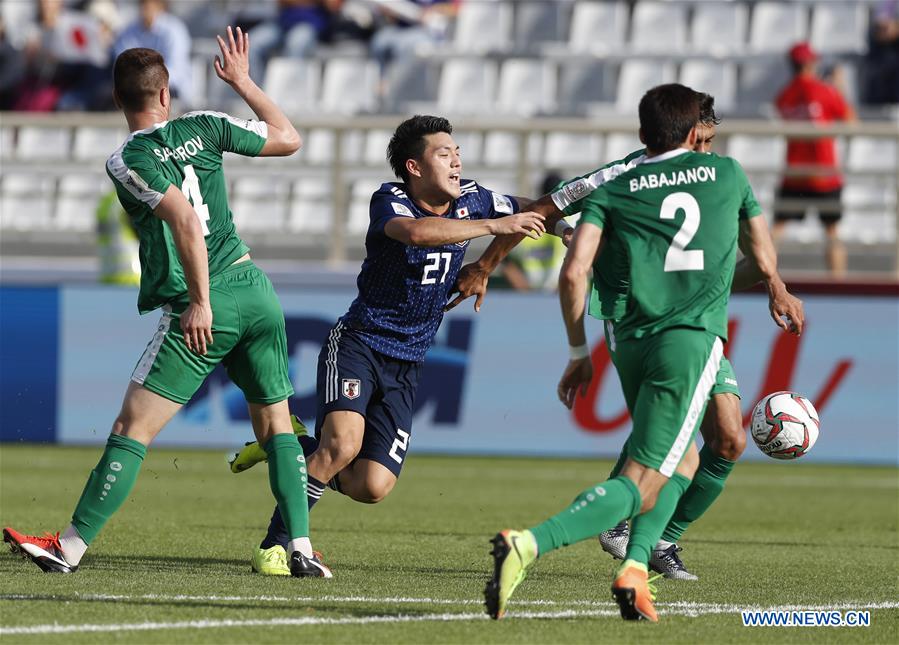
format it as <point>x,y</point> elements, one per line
<point>784,425</point>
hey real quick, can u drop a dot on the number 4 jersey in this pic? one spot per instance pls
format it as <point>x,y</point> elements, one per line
<point>677,216</point>
<point>186,152</point>
<point>403,289</point>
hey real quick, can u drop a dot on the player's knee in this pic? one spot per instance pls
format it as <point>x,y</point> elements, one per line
<point>729,442</point>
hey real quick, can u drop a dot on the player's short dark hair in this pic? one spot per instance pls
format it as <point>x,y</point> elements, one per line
<point>408,141</point>
<point>707,114</point>
<point>667,114</point>
<point>137,76</point>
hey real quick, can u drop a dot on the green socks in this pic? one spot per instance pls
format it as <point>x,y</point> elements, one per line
<point>593,511</point>
<point>705,489</point>
<point>648,527</point>
<point>287,478</point>
<point>108,486</point>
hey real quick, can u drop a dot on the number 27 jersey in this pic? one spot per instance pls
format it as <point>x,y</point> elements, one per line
<point>403,289</point>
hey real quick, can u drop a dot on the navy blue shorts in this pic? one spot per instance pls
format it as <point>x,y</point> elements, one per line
<point>352,376</point>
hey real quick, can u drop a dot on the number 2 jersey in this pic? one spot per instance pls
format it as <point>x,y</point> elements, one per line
<point>677,218</point>
<point>403,289</point>
<point>186,152</point>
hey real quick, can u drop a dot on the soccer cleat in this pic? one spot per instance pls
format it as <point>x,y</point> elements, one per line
<point>270,562</point>
<point>303,567</point>
<point>633,593</point>
<point>614,541</point>
<point>668,563</point>
<point>252,453</point>
<point>44,551</point>
<point>513,552</point>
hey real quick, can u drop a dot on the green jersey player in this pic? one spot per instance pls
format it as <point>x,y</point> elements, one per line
<point>722,425</point>
<point>218,307</point>
<point>668,340</point>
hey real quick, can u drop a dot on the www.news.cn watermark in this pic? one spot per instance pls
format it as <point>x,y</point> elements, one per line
<point>805,618</point>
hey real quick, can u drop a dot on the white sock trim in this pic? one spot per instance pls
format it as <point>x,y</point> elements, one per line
<point>303,545</point>
<point>73,547</point>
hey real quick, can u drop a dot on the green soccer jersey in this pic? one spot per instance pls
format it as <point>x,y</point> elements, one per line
<point>186,152</point>
<point>608,297</point>
<point>676,215</point>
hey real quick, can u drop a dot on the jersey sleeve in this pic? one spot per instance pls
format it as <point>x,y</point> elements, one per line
<point>749,205</point>
<point>596,209</point>
<point>569,196</point>
<point>242,136</point>
<point>839,109</point>
<point>493,205</point>
<point>138,174</point>
<point>383,208</point>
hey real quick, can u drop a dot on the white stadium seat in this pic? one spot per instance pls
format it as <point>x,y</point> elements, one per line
<point>839,27</point>
<point>471,147</point>
<point>483,26</point>
<point>375,151</point>
<point>636,77</point>
<point>598,27</point>
<point>350,86</point>
<point>777,26</point>
<point>713,77</point>
<point>311,207</point>
<point>26,202</point>
<point>97,143</point>
<point>537,22</point>
<point>318,146</point>
<point>293,83</point>
<point>659,27</point>
<point>38,142</point>
<point>259,204</point>
<point>872,153</point>
<point>526,87</point>
<point>504,148</point>
<point>467,86</point>
<point>77,201</point>
<point>759,84</point>
<point>582,152</point>
<point>718,28</point>
<point>757,152</point>
<point>620,145</point>
<point>7,139</point>
<point>360,199</point>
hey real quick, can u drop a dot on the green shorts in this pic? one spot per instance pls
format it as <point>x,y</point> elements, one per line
<point>666,379</point>
<point>725,379</point>
<point>248,339</point>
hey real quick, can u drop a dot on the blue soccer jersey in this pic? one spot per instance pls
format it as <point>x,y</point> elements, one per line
<point>403,289</point>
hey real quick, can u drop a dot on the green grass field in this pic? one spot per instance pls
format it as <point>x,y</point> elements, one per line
<point>173,565</point>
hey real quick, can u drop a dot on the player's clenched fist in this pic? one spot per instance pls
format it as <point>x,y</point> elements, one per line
<point>528,223</point>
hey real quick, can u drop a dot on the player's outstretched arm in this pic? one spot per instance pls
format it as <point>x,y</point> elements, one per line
<point>437,231</point>
<point>760,264</point>
<point>572,296</point>
<point>196,320</point>
<point>472,279</point>
<point>234,68</point>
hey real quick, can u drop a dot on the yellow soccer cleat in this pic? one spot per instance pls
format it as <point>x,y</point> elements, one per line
<point>252,453</point>
<point>513,552</point>
<point>270,562</point>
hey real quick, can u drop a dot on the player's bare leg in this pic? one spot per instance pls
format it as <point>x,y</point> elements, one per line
<point>836,250</point>
<point>141,418</point>
<point>366,481</point>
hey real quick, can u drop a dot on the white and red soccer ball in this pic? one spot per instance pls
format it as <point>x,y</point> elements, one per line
<point>784,425</point>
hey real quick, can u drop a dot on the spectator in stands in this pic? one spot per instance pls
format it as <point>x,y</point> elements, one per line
<point>882,61</point>
<point>408,26</point>
<point>298,28</point>
<point>157,29</point>
<point>808,98</point>
<point>12,69</point>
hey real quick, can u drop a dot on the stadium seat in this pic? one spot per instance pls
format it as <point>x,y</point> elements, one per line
<point>318,147</point>
<point>259,204</point>
<point>375,151</point>
<point>872,154</point>
<point>26,201</point>
<point>293,83</point>
<point>77,200</point>
<point>483,27</point>
<point>839,27</point>
<point>759,84</point>
<point>311,207</point>
<point>584,82</point>
<point>97,143</point>
<point>199,79</point>
<point>537,22</point>
<point>37,142</point>
<point>7,140</point>
<point>350,86</point>
<point>659,27</point>
<point>360,198</point>
<point>409,81</point>
<point>714,77</point>
<point>598,27</point>
<point>869,210</point>
<point>526,87</point>
<point>777,26</point>
<point>636,77</point>
<point>757,152</point>
<point>718,28</point>
<point>619,145</point>
<point>568,150</point>
<point>504,148</point>
<point>467,86</point>
<point>471,147</point>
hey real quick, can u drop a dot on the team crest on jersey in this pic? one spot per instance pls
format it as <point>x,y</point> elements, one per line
<point>462,213</point>
<point>401,209</point>
<point>502,204</point>
<point>351,388</point>
<point>576,189</point>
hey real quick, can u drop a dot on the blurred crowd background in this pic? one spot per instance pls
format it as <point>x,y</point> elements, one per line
<point>539,90</point>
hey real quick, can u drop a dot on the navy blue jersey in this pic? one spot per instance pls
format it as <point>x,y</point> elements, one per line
<point>403,289</point>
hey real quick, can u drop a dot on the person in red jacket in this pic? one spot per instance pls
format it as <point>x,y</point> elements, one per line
<point>808,98</point>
